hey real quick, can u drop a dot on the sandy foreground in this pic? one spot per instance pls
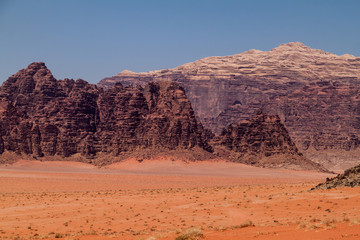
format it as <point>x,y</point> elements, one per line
<point>166,200</point>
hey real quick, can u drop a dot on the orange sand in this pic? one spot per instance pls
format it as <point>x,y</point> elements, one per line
<point>161,200</point>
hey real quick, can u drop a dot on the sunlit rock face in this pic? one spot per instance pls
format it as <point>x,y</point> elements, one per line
<point>315,94</point>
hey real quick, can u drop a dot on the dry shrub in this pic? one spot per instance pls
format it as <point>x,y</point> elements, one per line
<point>59,235</point>
<point>191,234</point>
<point>245,224</point>
<point>354,221</point>
<point>308,226</point>
<point>329,223</point>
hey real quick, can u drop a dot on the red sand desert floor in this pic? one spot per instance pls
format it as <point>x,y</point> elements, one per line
<point>165,200</point>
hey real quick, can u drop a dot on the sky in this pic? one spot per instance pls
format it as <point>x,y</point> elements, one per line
<point>100,38</point>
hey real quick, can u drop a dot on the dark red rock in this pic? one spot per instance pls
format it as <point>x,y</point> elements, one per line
<point>315,93</point>
<point>41,116</point>
<point>262,141</point>
<point>44,116</point>
<point>179,128</point>
<point>73,120</point>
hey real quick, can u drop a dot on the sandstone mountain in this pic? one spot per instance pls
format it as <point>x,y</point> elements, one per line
<point>44,117</point>
<point>350,178</point>
<point>49,119</point>
<point>315,93</point>
<point>262,141</point>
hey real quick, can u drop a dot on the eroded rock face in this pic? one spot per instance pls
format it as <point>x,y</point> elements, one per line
<point>157,116</point>
<point>315,93</point>
<point>41,116</point>
<point>262,141</point>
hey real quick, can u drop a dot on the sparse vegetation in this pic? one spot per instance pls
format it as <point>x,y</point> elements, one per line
<point>188,213</point>
<point>354,221</point>
<point>328,222</point>
<point>308,226</point>
<point>58,235</point>
<point>191,234</point>
<point>245,224</point>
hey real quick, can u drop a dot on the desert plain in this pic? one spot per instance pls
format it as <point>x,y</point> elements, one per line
<point>162,199</point>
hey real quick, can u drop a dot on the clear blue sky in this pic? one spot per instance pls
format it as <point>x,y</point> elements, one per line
<point>95,39</point>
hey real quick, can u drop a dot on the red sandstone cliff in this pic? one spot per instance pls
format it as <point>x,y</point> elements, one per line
<point>48,119</point>
<point>315,93</point>
<point>43,117</point>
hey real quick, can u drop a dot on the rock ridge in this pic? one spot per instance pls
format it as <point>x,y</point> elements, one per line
<point>49,119</point>
<point>315,94</point>
<point>262,141</point>
<point>44,117</point>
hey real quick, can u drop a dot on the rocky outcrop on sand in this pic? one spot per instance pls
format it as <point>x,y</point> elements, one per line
<point>350,178</point>
<point>49,119</point>
<point>44,117</point>
<point>315,93</point>
<point>262,141</point>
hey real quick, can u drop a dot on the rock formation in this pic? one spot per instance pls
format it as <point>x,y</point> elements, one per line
<point>315,93</point>
<point>350,178</point>
<point>262,141</point>
<point>44,117</point>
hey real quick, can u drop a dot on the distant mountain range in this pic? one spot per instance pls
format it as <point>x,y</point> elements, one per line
<point>316,95</point>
